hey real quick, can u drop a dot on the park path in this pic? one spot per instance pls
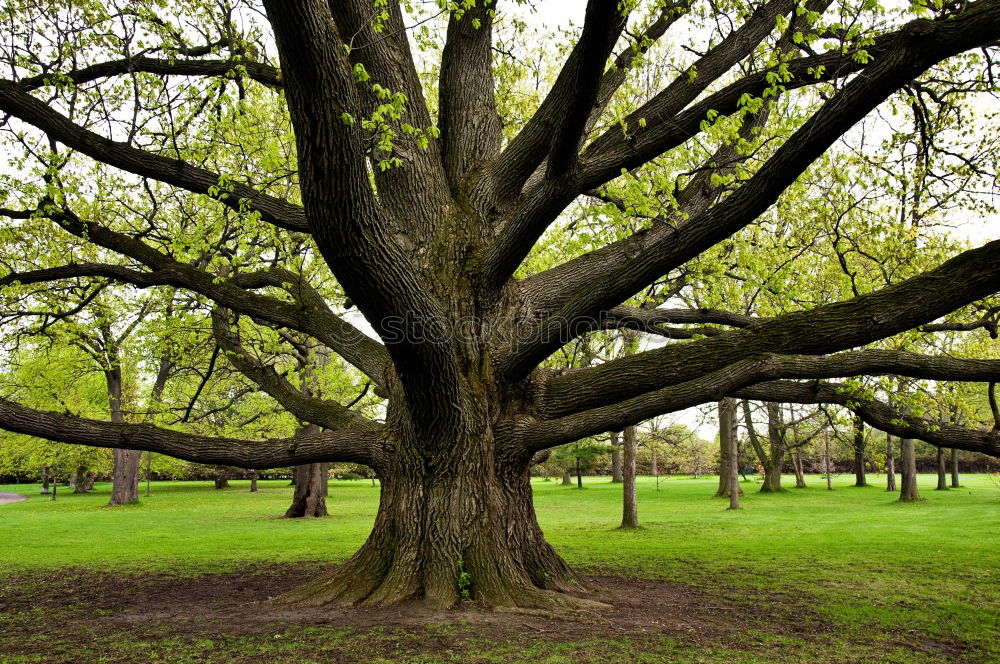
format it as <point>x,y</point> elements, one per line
<point>11,498</point>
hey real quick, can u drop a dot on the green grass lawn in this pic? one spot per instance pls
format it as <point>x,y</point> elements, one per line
<point>869,578</point>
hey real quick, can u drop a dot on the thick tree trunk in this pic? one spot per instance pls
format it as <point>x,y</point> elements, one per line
<point>616,459</point>
<point>942,470</point>
<point>567,479</point>
<point>775,461</point>
<point>253,481</point>
<point>461,515</point>
<point>859,452</point>
<point>630,514</point>
<point>311,482</point>
<point>222,480</point>
<point>82,480</point>
<point>727,436</point>
<point>125,475</point>
<point>954,469</point>
<point>908,470</point>
<point>890,465</point>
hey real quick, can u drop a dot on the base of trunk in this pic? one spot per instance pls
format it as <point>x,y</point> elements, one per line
<point>309,500</point>
<point>125,477</point>
<point>446,538</point>
<point>367,580</point>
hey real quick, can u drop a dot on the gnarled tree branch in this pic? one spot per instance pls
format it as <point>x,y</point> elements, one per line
<point>366,447</point>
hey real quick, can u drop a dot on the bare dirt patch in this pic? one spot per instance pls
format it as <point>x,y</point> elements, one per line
<point>242,603</point>
<point>6,498</point>
<point>77,615</point>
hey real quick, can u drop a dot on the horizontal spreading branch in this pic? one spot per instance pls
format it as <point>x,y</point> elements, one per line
<point>175,172</point>
<point>309,315</point>
<point>968,277</point>
<point>262,73</point>
<point>765,367</point>
<point>919,46</point>
<point>879,415</point>
<point>365,447</point>
<point>324,412</point>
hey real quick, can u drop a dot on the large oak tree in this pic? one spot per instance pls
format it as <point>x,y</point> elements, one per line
<point>155,149</point>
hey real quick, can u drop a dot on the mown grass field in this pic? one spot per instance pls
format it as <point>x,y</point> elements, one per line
<point>806,575</point>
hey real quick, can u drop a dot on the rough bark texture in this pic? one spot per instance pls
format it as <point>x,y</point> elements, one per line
<point>439,523</point>
<point>616,459</point>
<point>908,491</point>
<point>630,511</point>
<point>311,486</point>
<point>125,475</point>
<point>890,465</point>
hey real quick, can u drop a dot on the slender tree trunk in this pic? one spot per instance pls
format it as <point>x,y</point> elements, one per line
<point>253,481</point>
<point>859,452</point>
<point>908,470</point>
<point>734,466</point>
<point>829,482</point>
<point>616,459</point>
<point>579,474</point>
<point>800,476</point>
<point>954,469</point>
<point>652,462</point>
<point>311,485</point>
<point>890,465</point>
<point>727,436</point>
<point>942,470</point>
<point>45,481</point>
<point>630,514</point>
